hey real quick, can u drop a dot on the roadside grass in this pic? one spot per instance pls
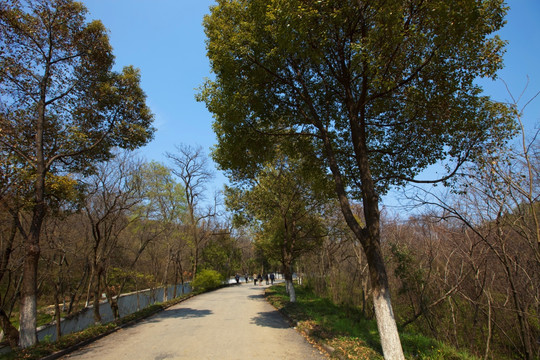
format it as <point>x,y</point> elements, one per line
<point>46,348</point>
<point>346,334</point>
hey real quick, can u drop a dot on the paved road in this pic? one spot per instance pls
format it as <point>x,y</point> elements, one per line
<point>231,323</point>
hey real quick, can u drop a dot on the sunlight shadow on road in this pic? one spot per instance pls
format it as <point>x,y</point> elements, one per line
<point>256,297</point>
<point>270,319</point>
<point>185,313</point>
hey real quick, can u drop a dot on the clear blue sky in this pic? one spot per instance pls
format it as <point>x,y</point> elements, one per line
<point>165,40</point>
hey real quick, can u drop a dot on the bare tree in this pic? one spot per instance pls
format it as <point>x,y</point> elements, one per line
<point>494,208</point>
<point>191,166</point>
<point>112,193</point>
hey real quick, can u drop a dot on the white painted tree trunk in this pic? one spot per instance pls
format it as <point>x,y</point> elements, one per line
<point>386,324</point>
<point>290,290</point>
<point>28,335</point>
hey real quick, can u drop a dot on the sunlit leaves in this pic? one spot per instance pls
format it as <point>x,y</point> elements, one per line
<point>403,71</point>
<point>56,76</point>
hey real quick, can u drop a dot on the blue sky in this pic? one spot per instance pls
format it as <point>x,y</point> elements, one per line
<point>165,40</point>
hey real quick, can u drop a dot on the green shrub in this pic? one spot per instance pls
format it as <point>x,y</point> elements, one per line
<point>207,280</point>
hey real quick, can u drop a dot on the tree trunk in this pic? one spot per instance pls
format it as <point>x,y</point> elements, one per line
<point>28,307</point>
<point>112,298</point>
<point>289,285</point>
<point>10,332</point>
<point>97,298</point>
<point>386,323</point>
<point>181,272</point>
<point>28,304</point>
<point>292,293</point>
<point>166,276</point>
<point>57,311</point>
<point>369,237</point>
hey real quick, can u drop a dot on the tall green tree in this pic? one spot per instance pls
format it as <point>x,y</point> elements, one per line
<point>62,108</point>
<point>379,89</point>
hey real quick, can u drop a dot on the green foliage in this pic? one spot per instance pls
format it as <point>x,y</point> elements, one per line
<point>207,280</point>
<point>407,270</point>
<point>223,255</point>
<point>284,206</point>
<point>387,80</point>
<point>55,75</point>
<point>164,198</point>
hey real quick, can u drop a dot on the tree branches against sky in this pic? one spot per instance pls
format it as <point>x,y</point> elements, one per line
<point>165,39</point>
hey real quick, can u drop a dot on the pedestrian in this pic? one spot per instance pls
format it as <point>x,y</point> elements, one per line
<point>272,277</point>
<point>254,279</point>
<point>266,278</point>
<point>259,278</point>
<point>237,278</point>
<point>247,278</point>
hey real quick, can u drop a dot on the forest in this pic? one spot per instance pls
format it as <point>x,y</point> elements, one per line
<point>320,109</point>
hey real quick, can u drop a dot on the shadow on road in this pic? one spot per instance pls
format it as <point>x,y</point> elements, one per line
<point>271,319</point>
<point>186,313</point>
<point>256,297</point>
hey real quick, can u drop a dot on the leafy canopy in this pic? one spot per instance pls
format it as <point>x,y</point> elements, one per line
<point>390,80</point>
<point>58,92</point>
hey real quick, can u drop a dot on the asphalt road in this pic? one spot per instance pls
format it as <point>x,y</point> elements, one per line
<point>231,323</point>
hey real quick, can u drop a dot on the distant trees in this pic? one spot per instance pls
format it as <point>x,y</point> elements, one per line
<point>375,90</point>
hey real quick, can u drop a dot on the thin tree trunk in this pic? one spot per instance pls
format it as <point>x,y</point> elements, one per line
<point>181,272</point>
<point>489,335</point>
<point>165,276</point>
<point>57,311</point>
<point>73,296</point>
<point>28,303</point>
<point>97,298</point>
<point>10,332</point>
<point>113,302</point>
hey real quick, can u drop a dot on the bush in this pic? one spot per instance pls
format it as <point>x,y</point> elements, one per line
<point>207,280</point>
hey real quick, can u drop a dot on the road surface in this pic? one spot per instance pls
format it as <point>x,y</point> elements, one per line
<point>231,323</point>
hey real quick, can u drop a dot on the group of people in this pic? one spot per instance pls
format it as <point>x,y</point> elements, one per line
<point>269,278</point>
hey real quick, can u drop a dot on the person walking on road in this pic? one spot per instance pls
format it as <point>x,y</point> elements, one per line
<point>272,278</point>
<point>259,278</point>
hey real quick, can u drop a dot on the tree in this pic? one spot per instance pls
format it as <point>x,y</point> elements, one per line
<point>161,213</point>
<point>379,90</point>
<point>222,254</point>
<point>285,208</point>
<point>497,204</point>
<point>112,194</point>
<point>62,108</point>
<point>191,166</point>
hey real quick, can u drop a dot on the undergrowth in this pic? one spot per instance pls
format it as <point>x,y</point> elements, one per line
<point>345,332</point>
